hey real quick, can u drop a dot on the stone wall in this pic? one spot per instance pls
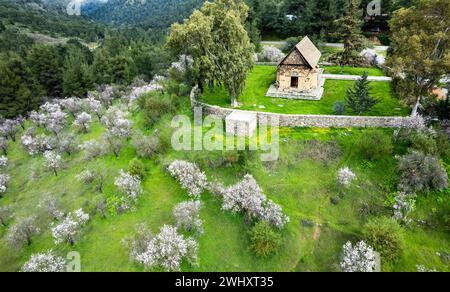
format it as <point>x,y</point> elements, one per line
<point>320,121</point>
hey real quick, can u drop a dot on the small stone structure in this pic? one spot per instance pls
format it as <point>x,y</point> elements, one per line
<point>241,123</point>
<point>298,75</point>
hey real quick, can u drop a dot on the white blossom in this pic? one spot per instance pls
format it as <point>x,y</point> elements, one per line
<point>83,122</point>
<point>117,124</point>
<point>92,148</point>
<point>86,176</point>
<point>187,216</point>
<point>94,106</point>
<point>189,176</point>
<point>138,91</point>
<point>3,161</point>
<point>72,104</point>
<point>21,232</point>
<point>167,250</point>
<point>51,205</point>
<point>45,262</point>
<point>52,117</point>
<point>52,161</point>
<point>68,144</point>
<point>129,184</point>
<point>38,118</point>
<point>423,269</point>
<point>247,196</point>
<point>345,176</point>
<point>183,64</point>
<point>405,203</point>
<point>9,129</point>
<point>373,57</point>
<point>358,258</point>
<point>270,54</point>
<point>4,179</point>
<point>70,227</point>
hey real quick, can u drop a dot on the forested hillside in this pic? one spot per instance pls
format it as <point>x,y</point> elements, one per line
<point>37,16</point>
<point>154,13</point>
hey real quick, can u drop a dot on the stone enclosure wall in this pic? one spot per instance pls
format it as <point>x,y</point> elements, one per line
<point>320,121</point>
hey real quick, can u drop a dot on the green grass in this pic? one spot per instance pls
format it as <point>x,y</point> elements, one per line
<point>261,77</point>
<point>353,71</point>
<point>301,184</point>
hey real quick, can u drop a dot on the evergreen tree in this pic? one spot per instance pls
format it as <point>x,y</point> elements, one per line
<point>46,66</point>
<point>77,78</point>
<point>101,68</point>
<point>16,87</point>
<point>350,32</point>
<point>359,98</point>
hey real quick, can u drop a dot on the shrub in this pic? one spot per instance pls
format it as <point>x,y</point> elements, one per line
<point>264,240</point>
<point>386,236</point>
<point>5,214</point>
<point>423,142</point>
<point>421,172</point>
<point>146,146</point>
<point>375,144</point>
<point>154,106</point>
<point>339,108</point>
<point>137,168</point>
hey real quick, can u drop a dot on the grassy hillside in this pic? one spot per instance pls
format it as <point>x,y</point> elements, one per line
<point>302,181</point>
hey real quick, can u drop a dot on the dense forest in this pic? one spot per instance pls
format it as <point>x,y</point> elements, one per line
<point>153,13</point>
<point>45,54</point>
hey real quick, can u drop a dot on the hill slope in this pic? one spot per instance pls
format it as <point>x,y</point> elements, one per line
<point>154,13</point>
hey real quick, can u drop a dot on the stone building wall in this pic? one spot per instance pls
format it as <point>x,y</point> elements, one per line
<point>307,79</point>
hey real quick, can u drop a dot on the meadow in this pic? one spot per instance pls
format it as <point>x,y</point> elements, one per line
<point>302,181</point>
<point>259,80</point>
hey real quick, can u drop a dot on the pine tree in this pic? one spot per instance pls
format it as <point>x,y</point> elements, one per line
<point>350,32</point>
<point>359,98</point>
<point>16,87</point>
<point>77,78</point>
<point>46,66</point>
